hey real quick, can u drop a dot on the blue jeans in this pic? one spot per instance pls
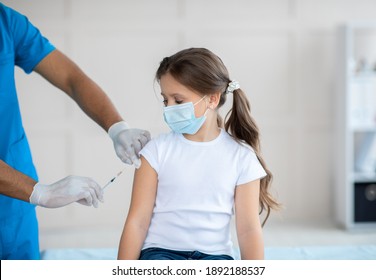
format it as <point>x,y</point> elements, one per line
<point>165,254</point>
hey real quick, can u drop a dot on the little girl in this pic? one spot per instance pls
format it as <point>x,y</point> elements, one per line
<point>193,179</point>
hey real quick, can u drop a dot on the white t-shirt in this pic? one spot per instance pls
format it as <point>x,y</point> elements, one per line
<point>196,187</point>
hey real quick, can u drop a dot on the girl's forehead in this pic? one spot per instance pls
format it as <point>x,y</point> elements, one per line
<point>169,80</point>
<point>171,87</point>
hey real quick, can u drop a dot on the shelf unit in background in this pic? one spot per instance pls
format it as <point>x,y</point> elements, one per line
<point>355,148</point>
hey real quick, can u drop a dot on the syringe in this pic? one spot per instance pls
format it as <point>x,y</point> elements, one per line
<point>113,179</point>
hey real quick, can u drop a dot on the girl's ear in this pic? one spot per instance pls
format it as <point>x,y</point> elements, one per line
<point>214,100</point>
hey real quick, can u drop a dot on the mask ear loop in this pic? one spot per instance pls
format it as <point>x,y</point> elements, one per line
<point>207,108</point>
<point>194,104</point>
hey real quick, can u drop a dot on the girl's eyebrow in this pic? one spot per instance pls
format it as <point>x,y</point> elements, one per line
<point>172,95</point>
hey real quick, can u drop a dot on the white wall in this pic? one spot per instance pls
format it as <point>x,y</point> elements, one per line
<point>281,51</point>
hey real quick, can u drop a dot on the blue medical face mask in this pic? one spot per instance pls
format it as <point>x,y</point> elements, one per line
<point>181,118</point>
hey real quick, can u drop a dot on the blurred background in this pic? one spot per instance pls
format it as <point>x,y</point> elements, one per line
<point>284,53</point>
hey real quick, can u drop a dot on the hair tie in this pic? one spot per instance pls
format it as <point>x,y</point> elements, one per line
<point>233,85</point>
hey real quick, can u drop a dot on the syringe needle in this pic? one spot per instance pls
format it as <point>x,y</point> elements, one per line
<point>113,179</point>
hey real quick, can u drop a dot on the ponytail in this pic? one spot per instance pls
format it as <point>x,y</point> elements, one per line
<point>241,126</point>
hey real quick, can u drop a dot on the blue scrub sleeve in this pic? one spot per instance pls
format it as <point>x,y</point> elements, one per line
<point>29,44</point>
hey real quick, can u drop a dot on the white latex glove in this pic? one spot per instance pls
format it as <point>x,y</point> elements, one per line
<point>70,189</point>
<point>128,142</point>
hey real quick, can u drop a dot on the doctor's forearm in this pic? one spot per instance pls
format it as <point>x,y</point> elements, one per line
<point>14,183</point>
<point>63,73</point>
<point>94,102</point>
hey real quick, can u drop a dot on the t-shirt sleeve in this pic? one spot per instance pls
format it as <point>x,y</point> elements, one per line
<point>29,44</point>
<point>150,153</point>
<point>250,168</point>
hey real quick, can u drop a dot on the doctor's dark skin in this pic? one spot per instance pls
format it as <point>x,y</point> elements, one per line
<point>63,73</point>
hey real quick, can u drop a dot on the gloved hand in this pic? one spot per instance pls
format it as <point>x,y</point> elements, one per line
<point>70,189</point>
<point>128,142</point>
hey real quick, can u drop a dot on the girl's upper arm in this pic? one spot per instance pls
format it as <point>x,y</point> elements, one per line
<point>248,226</point>
<point>144,192</point>
<point>140,211</point>
<point>247,205</point>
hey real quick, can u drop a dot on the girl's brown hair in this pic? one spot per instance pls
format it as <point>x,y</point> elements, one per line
<point>202,71</point>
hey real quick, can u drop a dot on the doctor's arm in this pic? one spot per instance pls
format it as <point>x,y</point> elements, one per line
<point>140,212</point>
<point>63,73</point>
<point>63,192</point>
<point>248,226</point>
<point>15,184</point>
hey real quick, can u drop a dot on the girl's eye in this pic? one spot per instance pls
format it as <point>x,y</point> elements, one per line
<point>165,102</point>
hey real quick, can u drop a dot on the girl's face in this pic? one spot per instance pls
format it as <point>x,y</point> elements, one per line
<point>174,93</point>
